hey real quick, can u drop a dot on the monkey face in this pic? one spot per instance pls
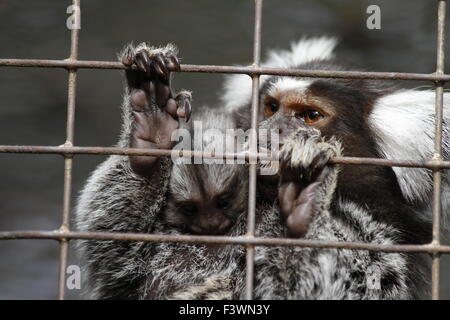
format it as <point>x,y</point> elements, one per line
<point>336,107</point>
<point>210,216</point>
<point>205,214</point>
<point>207,199</point>
<point>288,104</point>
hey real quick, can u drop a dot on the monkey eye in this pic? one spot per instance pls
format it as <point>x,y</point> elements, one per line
<point>309,115</point>
<point>223,202</point>
<point>189,209</point>
<point>271,107</point>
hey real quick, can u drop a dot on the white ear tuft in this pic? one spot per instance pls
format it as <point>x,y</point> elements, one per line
<point>237,91</point>
<point>302,51</point>
<point>238,88</point>
<point>403,123</point>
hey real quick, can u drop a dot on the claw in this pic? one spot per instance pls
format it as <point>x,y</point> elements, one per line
<point>162,72</point>
<point>160,67</point>
<point>143,62</point>
<point>141,65</point>
<point>187,110</point>
<point>128,57</point>
<point>172,63</point>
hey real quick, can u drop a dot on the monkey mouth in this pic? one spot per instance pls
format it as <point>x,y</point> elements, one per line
<point>216,230</point>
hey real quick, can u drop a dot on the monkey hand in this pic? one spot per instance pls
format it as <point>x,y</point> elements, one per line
<point>307,182</point>
<point>155,110</point>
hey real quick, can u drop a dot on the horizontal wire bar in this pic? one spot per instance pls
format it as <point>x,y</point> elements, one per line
<point>231,240</point>
<point>126,151</point>
<point>63,150</point>
<point>250,70</point>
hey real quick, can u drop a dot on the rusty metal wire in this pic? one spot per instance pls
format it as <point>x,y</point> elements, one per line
<point>68,160</point>
<point>68,151</point>
<point>437,174</point>
<point>249,70</point>
<point>241,240</point>
<point>65,150</point>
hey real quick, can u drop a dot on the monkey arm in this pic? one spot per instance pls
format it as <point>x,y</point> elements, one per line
<point>307,183</point>
<point>128,194</point>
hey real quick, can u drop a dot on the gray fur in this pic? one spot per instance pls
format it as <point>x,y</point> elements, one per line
<point>188,180</point>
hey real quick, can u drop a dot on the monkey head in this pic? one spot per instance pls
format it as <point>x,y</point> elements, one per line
<point>336,107</point>
<point>207,199</point>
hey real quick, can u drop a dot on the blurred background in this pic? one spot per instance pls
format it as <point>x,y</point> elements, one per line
<point>33,100</point>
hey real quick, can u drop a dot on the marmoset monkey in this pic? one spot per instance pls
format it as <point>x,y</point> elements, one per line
<point>317,119</point>
<point>321,118</point>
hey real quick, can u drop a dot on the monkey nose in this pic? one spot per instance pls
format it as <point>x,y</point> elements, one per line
<point>219,227</point>
<point>225,226</point>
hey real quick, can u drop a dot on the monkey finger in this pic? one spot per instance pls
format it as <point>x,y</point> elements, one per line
<point>158,70</point>
<point>287,194</point>
<point>143,62</point>
<point>307,193</point>
<point>150,89</point>
<point>172,108</point>
<point>172,63</point>
<point>140,65</point>
<point>164,135</point>
<point>141,130</point>
<point>302,213</point>
<point>185,111</point>
<point>139,100</point>
<point>128,57</point>
<point>183,99</point>
<point>161,68</point>
<point>299,221</point>
<point>162,94</point>
<point>140,138</point>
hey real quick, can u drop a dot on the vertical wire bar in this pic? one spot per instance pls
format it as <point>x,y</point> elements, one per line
<point>437,173</point>
<point>68,159</point>
<point>250,258</point>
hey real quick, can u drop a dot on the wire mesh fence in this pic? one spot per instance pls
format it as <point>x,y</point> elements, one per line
<point>64,234</point>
